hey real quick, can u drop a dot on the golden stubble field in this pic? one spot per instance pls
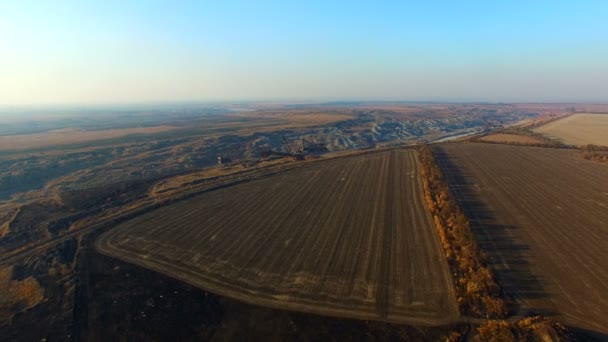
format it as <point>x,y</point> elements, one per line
<point>510,138</point>
<point>348,237</point>
<point>579,129</point>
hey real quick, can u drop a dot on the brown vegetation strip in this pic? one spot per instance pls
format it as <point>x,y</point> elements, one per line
<point>17,295</point>
<point>532,328</point>
<point>601,157</point>
<point>541,217</point>
<point>595,153</point>
<point>477,292</point>
<point>349,237</point>
<point>522,136</point>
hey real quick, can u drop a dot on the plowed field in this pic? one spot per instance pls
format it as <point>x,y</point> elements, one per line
<point>541,215</point>
<point>348,237</point>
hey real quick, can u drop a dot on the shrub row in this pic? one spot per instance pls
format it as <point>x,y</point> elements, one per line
<point>539,144</point>
<point>601,157</point>
<point>543,141</point>
<point>530,133</point>
<point>477,292</point>
<point>530,328</point>
<point>594,148</point>
<point>597,153</point>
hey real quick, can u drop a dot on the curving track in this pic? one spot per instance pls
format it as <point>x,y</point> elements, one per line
<point>349,237</point>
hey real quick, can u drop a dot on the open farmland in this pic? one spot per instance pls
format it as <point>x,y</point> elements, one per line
<point>541,215</point>
<point>346,237</point>
<point>71,136</point>
<point>579,129</point>
<point>510,138</point>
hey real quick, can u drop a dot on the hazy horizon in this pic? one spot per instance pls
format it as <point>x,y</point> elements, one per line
<point>122,53</point>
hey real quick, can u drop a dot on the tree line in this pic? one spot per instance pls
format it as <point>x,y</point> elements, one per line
<point>478,294</point>
<point>543,141</point>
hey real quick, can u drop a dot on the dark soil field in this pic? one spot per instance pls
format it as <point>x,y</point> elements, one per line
<point>129,303</point>
<point>541,215</point>
<point>348,237</point>
<point>105,299</point>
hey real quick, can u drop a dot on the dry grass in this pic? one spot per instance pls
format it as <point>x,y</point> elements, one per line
<point>71,136</point>
<point>176,184</point>
<point>579,129</point>
<point>4,229</point>
<point>17,295</point>
<point>8,212</point>
<point>510,138</point>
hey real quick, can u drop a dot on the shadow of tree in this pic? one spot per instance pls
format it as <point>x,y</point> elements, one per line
<point>507,257</point>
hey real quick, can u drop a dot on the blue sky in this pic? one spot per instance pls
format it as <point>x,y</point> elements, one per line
<point>66,52</point>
